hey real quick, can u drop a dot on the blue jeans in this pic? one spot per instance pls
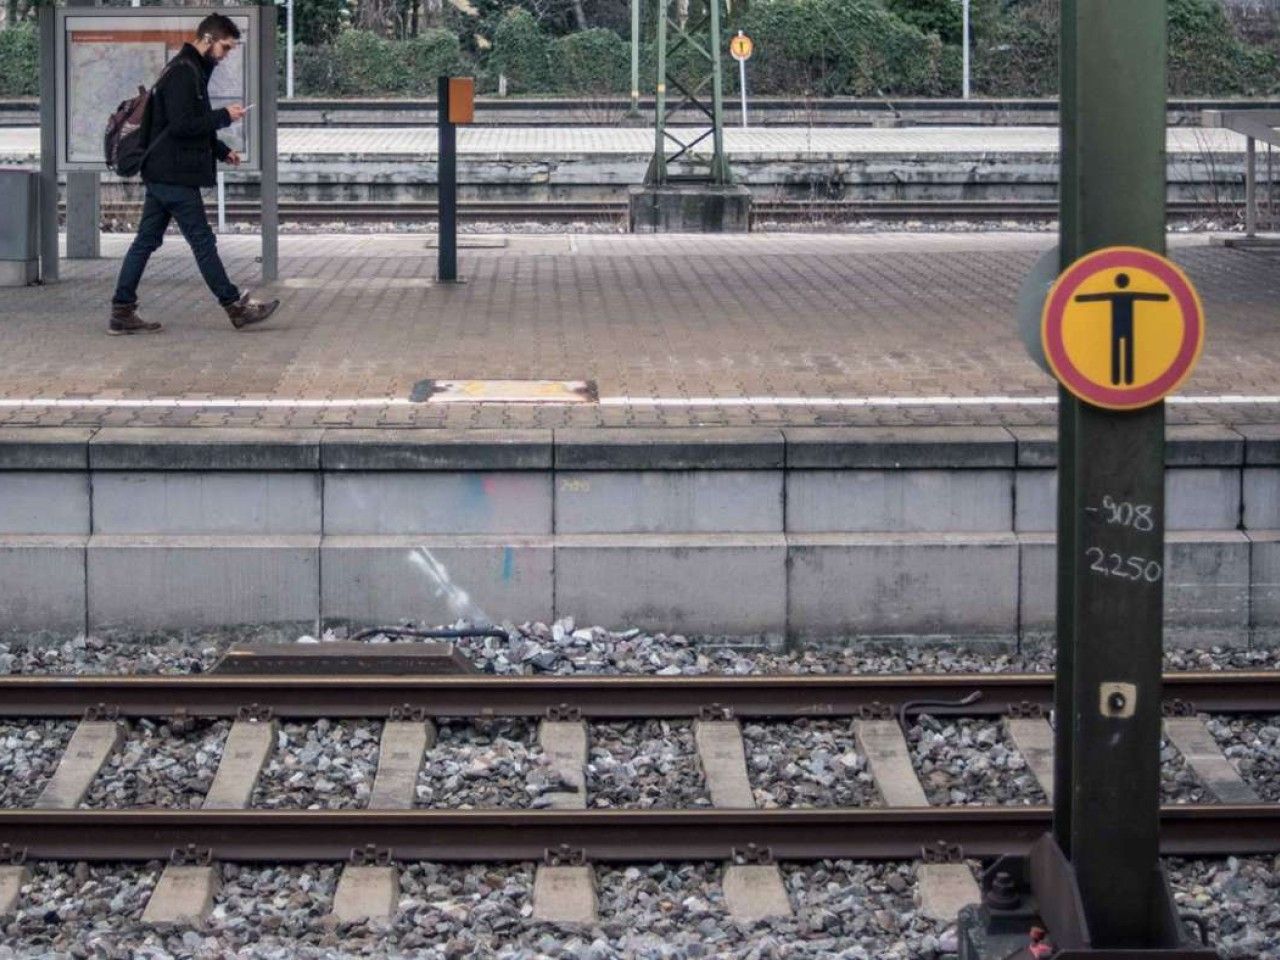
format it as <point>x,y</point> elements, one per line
<point>165,202</point>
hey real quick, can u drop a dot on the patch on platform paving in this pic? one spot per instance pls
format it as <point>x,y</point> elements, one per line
<point>472,243</point>
<point>374,284</point>
<point>505,391</point>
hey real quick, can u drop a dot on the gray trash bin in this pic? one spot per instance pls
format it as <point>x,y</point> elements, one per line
<point>19,227</point>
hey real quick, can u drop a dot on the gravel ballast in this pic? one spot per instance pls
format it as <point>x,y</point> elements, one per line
<point>495,763</point>
<point>563,648</point>
<point>651,763</point>
<point>29,753</point>
<point>808,763</point>
<point>1239,899</point>
<point>967,761</point>
<point>843,909</point>
<point>1252,744</point>
<point>326,765</point>
<point>156,767</point>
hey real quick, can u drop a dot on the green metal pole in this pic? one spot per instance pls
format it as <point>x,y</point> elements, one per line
<point>1110,627</point>
<point>635,59</point>
<point>720,172</point>
<point>657,173</point>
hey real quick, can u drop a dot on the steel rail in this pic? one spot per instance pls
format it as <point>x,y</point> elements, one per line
<point>600,697</point>
<point>596,835</point>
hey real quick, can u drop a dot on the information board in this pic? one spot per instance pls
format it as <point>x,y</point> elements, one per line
<point>105,54</point>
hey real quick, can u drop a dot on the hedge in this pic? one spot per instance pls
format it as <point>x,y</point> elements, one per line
<point>803,48</point>
<point>593,62</point>
<point>362,64</point>
<point>523,54</point>
<point>20,61</point>
<point>1019,56</point>
<point>846,47</point>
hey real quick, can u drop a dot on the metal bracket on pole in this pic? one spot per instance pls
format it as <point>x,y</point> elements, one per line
<point>699,90</point>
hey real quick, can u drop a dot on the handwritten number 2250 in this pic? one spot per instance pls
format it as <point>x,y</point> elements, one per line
<point>1130,568</point>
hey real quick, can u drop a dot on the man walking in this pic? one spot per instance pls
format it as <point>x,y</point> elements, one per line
<point>182,147</point>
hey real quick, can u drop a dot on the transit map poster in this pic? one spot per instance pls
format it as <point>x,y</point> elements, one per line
<point>105,55</point>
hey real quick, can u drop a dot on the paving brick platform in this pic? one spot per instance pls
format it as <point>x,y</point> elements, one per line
<point>757,330</point>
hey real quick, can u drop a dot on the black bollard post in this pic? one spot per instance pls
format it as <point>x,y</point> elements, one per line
<point>455,104</point>
<point>447,188</point>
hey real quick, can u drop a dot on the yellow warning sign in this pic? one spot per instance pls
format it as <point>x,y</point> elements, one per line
<point>740,46</point>
<point>1122,328</point>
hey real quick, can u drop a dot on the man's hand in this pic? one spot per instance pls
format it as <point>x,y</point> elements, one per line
<point>234,158</point>
<point>236,112</point>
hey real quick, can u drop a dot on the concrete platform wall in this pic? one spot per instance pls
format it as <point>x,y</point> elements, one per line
<point>807,534</point>
<point>917,177</point>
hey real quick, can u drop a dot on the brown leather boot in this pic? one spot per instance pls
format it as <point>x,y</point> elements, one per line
<point>247,311</point>
<point>125,319</point>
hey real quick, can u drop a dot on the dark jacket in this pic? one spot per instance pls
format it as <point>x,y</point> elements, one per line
<point>186,154</point>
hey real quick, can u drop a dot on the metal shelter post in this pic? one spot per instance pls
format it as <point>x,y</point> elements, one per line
<point>1251,187</point>
<point>48,146</point>
<point>269,191</point>
<point>84,202</point>
<point>702,91</point>
<point>634,111</point>
<point>1110,627</point>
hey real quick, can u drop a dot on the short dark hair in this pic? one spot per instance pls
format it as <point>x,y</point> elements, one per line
<point>218,27</point>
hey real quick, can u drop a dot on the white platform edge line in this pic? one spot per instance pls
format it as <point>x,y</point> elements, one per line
<point>178,403</point>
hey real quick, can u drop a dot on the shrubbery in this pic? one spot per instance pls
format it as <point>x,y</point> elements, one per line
<point>362,64</point>
<point>1018,57</point>
<point>1205,56</point>
<point>803,47</point>
<point>20,61</point>
<point>845,47</point>
<point>522,53</point>
<point>593,62</point>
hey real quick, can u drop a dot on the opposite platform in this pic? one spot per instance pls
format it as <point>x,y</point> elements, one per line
<point>600,163</point>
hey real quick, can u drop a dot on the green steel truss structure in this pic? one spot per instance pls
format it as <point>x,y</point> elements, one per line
<point>695,88</point>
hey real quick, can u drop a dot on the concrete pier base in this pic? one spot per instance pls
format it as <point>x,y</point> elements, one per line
<point>690,208</point>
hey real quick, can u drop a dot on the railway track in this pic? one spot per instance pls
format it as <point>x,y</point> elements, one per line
<point>611,211</point>
<point>884,704</point>
<point>760,863</point>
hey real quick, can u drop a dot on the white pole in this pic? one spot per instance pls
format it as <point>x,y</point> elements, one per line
<point>965,17</point>
<point>288,70</point>
<point>222,202</point>
<point>742,84</point>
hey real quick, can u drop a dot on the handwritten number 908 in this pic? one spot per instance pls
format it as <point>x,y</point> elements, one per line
<point>1126,514</point>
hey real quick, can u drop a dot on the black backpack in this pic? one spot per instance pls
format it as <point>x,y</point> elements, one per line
<point>124,145</point>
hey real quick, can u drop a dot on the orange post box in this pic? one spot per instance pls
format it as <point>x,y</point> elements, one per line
<point>462,100</point>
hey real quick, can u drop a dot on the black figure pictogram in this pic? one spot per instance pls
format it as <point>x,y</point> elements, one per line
<point>1121,324</point>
